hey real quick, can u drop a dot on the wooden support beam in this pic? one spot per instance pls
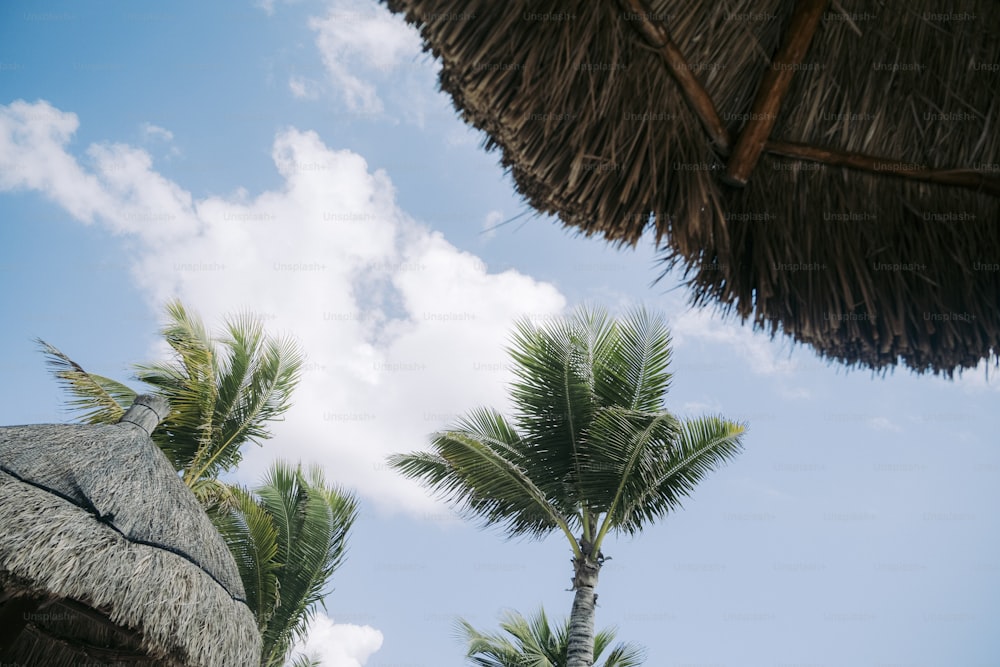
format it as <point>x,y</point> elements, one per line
<point>773,88</point>
<point>964,178</point>
<point>754,138</point>
<point>701,103</point>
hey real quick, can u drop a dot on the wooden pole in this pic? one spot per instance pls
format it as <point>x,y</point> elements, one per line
<point>963,178</point>
<point>754,138</point>
<point>773,88</point>
<point>701,103</point>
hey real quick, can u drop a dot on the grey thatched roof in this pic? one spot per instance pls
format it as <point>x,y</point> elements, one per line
<point>100,531</point>
<point>830,170</point>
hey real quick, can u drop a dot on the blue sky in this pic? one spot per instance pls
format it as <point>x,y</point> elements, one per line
<point>296,160</point>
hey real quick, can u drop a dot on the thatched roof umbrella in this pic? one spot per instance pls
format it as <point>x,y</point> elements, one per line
<point>107,558</point>
<point>829,169</point>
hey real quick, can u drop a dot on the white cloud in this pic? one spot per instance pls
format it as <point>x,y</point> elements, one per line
<point>402,329</point>
<point>489,229</point>
<point>151,131</point>
<point>338,644</point>
<point>44,131</point>
<point>695,325</point>
<point>361,44</point>
<point>303,88</point>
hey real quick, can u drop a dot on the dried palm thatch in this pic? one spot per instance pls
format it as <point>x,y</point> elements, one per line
<point>107,558</point>
<point>826,169</point>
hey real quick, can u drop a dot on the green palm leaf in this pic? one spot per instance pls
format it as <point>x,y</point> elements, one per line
<point>311,521</point>
<point>189,382</point>
<point>97,399</point>
<point>222,393</point>
<point>305,661</point>
<point>256,375</point>
<point>703,445</point>
<point>633,374</point>
<point>250,533</point>
<point>624,453</point>
<point>533,642</point>
<point>480,467</point>
<point>553,395</point>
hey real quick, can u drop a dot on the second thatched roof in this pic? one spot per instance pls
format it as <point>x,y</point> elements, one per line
<point>829,170</point>
<point>111,555</point>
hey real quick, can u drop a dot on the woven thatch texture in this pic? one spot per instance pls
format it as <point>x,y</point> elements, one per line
<point>52,548</point>
<point>97,514</point>
<point>867,268</point>
<point>125,478</point>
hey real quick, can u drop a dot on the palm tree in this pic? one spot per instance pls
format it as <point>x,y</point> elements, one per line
<point>222,393</point>
<point>536,644</point>
<point>288,537</point>
<point>590,447</point>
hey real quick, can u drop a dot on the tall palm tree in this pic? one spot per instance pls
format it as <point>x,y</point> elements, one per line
<point>533,643</point>
<point>590,448</point>
<point>222,392</point>
<point>289,535</point>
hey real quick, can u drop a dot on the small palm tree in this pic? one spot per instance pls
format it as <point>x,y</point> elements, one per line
<point>222,393</point>
<point>590,448</point>
<point>533,643</point>
<point>288,537</point>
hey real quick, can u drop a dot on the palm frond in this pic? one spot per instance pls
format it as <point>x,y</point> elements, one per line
<point>252,537</point>
<point>479,468</point>
<point>256,377</point>
<point>214,494</point>
<point>488,650</point>
<point>622,655</point>
<point>188,381</point>
<point>95,398</point>
<point>553,395</point>
<point>312,521</point>
<point>634,373</point>
<point>533,642</point>
<point>624,456</point>
<point>222,393</point>
<point>240,347</point>
<point>303,660</point>
<point>702,445</point>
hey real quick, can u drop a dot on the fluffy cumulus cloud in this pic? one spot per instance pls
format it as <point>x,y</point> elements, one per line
<point>403,331</point>
<point>338,644</point>
<point>363,45</point>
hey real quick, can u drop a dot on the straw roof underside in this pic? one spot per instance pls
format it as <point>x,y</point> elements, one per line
<point>866,267</point>
<point>52,548</point>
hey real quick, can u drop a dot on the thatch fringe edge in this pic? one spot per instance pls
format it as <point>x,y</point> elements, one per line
<point>67,553</point>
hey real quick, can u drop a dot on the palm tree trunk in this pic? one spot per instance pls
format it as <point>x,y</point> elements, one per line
<point>580,651</point>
